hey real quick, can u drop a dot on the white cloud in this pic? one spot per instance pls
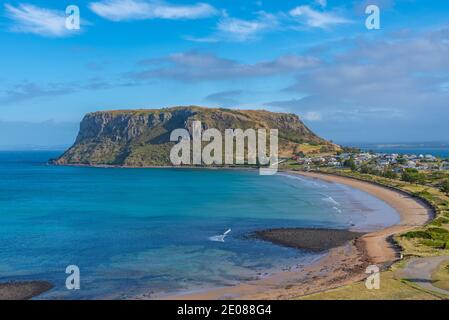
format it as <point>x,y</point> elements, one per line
<point>31,90</point>
<point>121,10</point>
<point>195,66</point>
<point>317,19</point>
<point>239,30</point>
<point>32,19</point>
<point>312,116</point>
<point>379,88</point>
<point>225,98</point>
<point>242,30</point>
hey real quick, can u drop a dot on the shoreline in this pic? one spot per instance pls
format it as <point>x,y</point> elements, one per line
<point>341,265</point>
<point>113,166</point>
<point>338,266</point>
<point>413,213</point>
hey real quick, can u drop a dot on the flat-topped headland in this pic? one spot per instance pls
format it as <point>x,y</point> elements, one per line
<point>141,138</point>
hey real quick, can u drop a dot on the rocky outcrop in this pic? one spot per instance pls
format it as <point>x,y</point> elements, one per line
<point>142,137</point>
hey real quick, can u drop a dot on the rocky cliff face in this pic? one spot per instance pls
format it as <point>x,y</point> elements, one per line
<point>142,137</point>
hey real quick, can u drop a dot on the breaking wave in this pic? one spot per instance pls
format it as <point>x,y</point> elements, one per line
<point>331,200</point>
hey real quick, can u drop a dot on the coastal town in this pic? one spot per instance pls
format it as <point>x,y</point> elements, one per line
<point>423,169</point>
<point>373,161</point>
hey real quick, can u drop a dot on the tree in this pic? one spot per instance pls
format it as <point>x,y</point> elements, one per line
<point>390,174</point>
<point>401,160</point>
<point>350,163</point>
<point>413,176</point>
<point>367,169</point>
<point>445,186</point>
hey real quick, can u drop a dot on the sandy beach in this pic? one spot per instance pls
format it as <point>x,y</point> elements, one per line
<point>342,265</point>
<point>412,211</point>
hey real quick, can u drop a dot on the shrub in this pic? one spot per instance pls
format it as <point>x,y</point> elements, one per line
<point>439,234</point>
<point>439,221</point>
<point>413,176</point>
<point>366,169</point>
<point>350,163</point>
<point>445,186</point>
<point>436,223</point>
<point>390,174</point>
<point>417,234</point>
<point>437,244</point>
<point>438,230</point>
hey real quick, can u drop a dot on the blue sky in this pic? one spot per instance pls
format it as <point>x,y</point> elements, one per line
<point>314,58</point>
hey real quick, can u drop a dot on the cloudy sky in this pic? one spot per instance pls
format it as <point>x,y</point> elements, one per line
<point>315,58</point>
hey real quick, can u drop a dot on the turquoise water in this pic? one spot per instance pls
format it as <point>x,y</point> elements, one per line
<point>135,231</point>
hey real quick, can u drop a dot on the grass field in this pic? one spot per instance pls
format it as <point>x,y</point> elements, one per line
<point>390,289</point>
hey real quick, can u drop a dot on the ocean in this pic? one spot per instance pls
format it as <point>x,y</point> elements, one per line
<point>442,152</point>
<point>153,231</point>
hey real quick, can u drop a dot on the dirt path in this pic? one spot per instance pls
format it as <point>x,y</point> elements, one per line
<point>419,271</point>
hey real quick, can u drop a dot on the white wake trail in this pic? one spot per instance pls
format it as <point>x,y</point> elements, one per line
<point>220,237</point>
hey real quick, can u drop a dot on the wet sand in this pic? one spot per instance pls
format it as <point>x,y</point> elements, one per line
<point>23,290</point>
<point>343,264</point>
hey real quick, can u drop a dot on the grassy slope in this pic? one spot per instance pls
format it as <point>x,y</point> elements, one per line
<point>440,277</point>
<point>390,289</point>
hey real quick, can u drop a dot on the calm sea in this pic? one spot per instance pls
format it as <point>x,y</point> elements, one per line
<point>442,152</point>
<point>134,231</point>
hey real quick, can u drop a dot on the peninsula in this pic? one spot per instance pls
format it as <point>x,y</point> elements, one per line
<point>141,138</point>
